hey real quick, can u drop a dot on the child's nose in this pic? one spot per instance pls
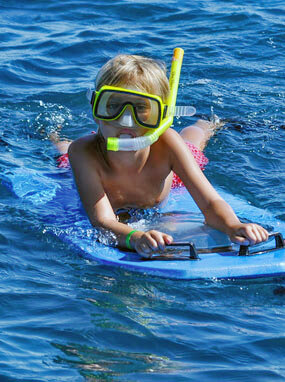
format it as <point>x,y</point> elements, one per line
<point>126,119</point>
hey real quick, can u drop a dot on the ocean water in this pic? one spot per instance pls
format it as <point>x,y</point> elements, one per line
<point>66,319</point>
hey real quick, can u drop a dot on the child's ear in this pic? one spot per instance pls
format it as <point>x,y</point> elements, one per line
<point>98,123</point>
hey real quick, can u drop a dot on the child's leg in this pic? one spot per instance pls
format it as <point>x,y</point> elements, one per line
<point>199,133</point>
<point>62,146</point>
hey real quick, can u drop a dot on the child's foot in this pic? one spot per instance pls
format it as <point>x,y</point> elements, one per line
<point>54,137</point>
<point>201,132</point>
<point>62,146</point>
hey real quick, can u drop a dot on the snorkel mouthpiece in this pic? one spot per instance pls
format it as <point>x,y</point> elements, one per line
<point>134,144</point>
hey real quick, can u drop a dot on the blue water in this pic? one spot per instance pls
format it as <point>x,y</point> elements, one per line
<point>63,318</point>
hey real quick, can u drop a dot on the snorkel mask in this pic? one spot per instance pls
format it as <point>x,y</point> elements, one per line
<point>147,110</point>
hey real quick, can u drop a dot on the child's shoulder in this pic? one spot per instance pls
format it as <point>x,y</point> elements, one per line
<point>171,139</point>
<point>168,145</point>
<point>81,145</point>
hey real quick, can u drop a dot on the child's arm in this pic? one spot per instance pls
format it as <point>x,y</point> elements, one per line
<point>100,211</point>
<point>217,212</point>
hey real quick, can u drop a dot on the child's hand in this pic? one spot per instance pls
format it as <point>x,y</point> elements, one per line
<point>248,234</point>
<point>147,243</point>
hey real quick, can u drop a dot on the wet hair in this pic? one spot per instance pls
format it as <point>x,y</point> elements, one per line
<point>139,72</point>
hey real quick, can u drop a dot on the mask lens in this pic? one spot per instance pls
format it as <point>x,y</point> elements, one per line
<point>110,104</point>
<point>114,104</point>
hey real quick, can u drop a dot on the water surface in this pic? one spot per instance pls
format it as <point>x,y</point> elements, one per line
<point>66,319</point>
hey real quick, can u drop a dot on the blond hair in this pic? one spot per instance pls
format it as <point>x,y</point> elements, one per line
<point>144,73</point>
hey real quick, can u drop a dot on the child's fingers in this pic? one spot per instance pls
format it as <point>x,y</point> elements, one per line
<point>161,239</point>
<point>151,242</point>
<point>144,250</point>
<point>146,245</point>
<point>240,240</point>
<point>250,234</point>
<point>167,239</point>
<point>255,233</point>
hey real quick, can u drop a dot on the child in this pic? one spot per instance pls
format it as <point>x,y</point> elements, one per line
<point>109,181</point>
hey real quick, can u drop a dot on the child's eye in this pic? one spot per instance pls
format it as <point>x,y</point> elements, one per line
<point>142,108</point>
<point>113,106</point>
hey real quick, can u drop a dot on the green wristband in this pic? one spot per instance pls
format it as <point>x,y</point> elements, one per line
<point>128,238</point>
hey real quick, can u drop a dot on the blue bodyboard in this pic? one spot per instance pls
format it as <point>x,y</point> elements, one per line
<point>180,217</point>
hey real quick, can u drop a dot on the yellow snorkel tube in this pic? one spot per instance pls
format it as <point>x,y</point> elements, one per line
<point>134,144</point>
